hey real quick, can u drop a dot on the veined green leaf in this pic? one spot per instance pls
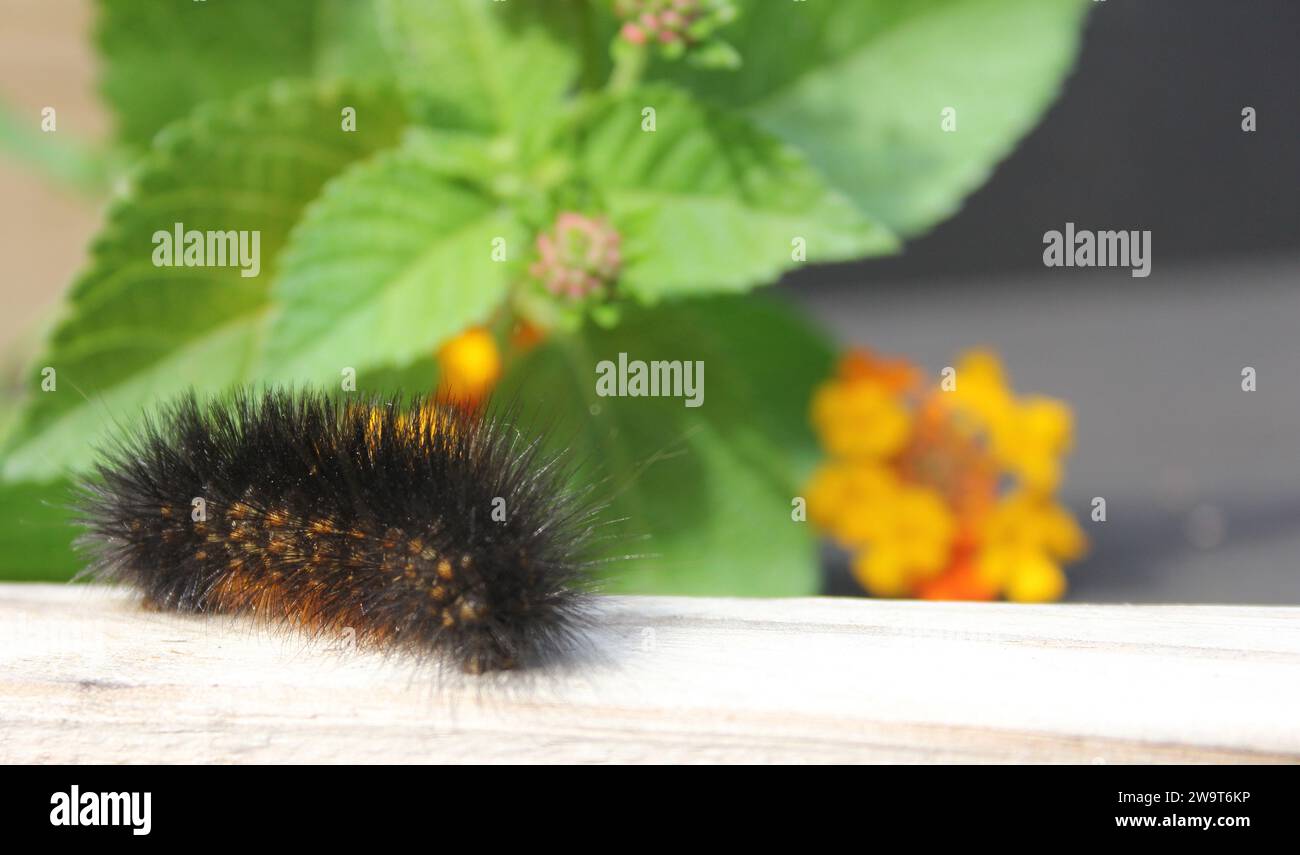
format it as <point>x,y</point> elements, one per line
<point>395,257</point>
<point>160,60</point>
<point>861,87</point>
<point>481,65</point>
<point>135,332</point>
<point>709,202</point>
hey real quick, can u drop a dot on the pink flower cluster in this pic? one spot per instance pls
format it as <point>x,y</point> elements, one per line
<point>578,257</point>
<point>665,21</point>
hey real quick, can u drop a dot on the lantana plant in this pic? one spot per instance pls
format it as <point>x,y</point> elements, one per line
<point>524,189</point>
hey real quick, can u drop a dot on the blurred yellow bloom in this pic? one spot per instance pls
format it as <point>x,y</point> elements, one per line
<point>470,365</point>
<point>909,542</point>
<point>1033,521</point>
<point>921,530</point>
<point>982,389</point>
<point>860,419</point>
<point>1027,436</point>
<point>844,500</point>
<point>1025,575</point>
<point>1032,439</point>
<point>913,481</point>
<point>882,571</point>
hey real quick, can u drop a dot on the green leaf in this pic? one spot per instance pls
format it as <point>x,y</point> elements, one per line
<point>715,54</point>
<point>482,65</point>
<point>349,41</point>
<point>708,488</point>
<point>709,202</point>
<point>162,59</point>
<point>36,528</point>
<point>395,257</point>
<point>416,378</point>
<point>860,87</point>
<point>135,332</point>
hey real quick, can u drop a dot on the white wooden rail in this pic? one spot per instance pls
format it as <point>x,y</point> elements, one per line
<point>87,676</point>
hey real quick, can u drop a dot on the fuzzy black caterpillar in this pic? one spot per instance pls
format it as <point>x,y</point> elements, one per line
<point>328,514</point>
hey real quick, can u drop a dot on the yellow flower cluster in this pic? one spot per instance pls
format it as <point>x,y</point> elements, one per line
<point>912,487</point>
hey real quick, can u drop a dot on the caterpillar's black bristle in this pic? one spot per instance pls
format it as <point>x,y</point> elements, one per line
<point>415,524</point>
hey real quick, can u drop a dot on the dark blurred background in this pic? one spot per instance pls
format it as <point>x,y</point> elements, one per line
<point>1147,134</point>
<point>1202,479</point>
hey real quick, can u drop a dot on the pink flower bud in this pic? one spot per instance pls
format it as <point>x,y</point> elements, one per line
<point>632,33</point>
<point>579,256</point>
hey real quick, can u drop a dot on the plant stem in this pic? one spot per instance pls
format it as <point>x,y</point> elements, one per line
<point>587,33</point>
<point>629,66</point>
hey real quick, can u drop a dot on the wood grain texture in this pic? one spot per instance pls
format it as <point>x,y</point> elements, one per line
<point>87,676</point>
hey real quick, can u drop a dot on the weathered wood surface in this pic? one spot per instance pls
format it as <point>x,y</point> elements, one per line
<point>87,676</point>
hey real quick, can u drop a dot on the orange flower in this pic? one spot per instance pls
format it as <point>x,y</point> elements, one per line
<point>525,336</point>
<point>897,375</point>
<point>962,581</point>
